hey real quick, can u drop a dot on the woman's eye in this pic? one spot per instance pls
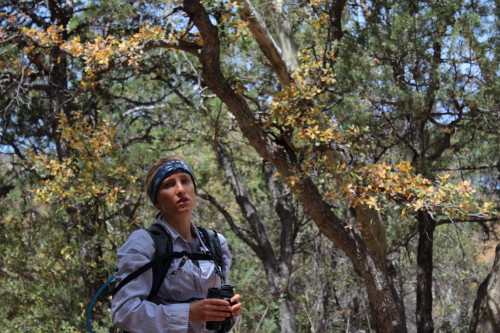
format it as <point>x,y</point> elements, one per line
<point>168,185</point>
<point>185,181</point>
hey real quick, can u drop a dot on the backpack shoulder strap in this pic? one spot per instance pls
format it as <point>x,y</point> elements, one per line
<point>164,254</point>
<point>163,246</point>
<point>213,244</point>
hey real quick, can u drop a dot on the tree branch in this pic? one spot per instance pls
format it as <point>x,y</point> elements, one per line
<point>265,250</point>
<point>229,220</point>
<point>382,300</point>
<point>266,42</point>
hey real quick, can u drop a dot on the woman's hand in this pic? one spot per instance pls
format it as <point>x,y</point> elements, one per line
<point>236,307</point>
<point>210,309</point>
<point>214,309</point>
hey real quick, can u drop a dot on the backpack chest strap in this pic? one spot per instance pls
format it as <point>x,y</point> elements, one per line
<point>191,256</point>
<point>164,254</point>
<point>169,256</point>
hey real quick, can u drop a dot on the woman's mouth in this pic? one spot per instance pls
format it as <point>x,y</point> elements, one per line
<point>183,200</point>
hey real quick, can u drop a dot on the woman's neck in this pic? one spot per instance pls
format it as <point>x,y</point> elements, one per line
<point>181,224</point>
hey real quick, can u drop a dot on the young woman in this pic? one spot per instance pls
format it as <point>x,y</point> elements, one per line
<point>171,187</point>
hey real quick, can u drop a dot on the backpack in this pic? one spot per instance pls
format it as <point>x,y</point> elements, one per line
<point>161,261</point>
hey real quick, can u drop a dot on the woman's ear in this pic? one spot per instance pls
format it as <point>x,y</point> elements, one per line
<point>157,205</point>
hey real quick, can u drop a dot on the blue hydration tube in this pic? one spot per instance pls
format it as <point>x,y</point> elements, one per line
<point>91,305</point>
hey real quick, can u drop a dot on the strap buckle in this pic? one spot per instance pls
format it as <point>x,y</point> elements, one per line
<point>184,258</point>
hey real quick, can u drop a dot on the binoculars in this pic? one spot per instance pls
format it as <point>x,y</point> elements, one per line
<point>225,292</point>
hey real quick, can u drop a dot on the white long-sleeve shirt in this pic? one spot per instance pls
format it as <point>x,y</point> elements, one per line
<point>133,313</point>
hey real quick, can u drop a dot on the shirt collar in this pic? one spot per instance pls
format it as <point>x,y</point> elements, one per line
<point>171,230</point>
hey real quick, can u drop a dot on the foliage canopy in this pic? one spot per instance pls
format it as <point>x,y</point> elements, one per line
<point>381,118</point>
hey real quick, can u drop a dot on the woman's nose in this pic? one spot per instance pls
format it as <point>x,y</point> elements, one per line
<point>180,188</point>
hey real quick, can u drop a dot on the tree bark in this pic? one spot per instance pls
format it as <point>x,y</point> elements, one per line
<point>267,44</point>
<point>426,227</point>
<point>289,226</point>
<point>486,310</point>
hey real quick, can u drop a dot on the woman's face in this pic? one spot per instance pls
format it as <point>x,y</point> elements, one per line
<point>176,195</point>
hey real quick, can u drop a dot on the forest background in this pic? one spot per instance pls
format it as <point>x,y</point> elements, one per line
<point>348,150</point>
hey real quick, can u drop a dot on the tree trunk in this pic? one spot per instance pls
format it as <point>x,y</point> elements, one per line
<point>383,304</point>
<point>394,274</point>
<point>486,310</point>
<point>287,316</point>
<point>282,55</point>
<point>426,226</point>
<point>289,226</point>
<point>278,269</point>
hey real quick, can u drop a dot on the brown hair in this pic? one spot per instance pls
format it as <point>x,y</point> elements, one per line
<point>154,169</point>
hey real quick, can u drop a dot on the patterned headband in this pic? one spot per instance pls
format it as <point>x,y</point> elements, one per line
<point>163,172</point>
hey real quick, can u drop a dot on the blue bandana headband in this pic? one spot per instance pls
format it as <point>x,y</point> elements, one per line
<point>163,172</point>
